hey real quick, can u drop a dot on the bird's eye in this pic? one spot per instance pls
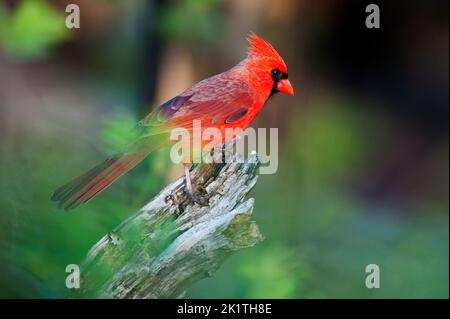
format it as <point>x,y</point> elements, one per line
<point>276,75</point>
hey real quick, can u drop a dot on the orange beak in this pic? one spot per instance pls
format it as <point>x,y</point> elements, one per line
<point>285,86</point>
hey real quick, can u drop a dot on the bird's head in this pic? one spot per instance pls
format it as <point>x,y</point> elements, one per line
<point>267,67</point>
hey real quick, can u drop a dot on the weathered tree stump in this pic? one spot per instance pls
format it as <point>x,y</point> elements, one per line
<point>171,242</point>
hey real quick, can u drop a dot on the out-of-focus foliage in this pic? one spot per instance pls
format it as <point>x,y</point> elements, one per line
<point>193,20</point>
<point>277,265</point>
<point>31,30</point>
<point>117,131</point>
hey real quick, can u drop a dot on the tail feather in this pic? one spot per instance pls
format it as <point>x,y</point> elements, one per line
<point>89,184</point>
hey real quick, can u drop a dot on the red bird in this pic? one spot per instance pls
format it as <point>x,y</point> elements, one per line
<point>231,99</point>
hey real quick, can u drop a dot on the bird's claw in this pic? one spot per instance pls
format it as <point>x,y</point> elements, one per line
<point>202,200</point>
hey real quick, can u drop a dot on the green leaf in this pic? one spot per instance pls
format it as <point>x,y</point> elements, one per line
<point>32,30</point>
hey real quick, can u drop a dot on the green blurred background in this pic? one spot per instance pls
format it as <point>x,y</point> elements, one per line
<point>363,175</point>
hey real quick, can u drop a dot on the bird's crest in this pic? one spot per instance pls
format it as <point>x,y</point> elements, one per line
<point>261,49</point>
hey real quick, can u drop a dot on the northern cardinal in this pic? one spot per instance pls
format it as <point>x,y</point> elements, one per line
<point>231,99</point>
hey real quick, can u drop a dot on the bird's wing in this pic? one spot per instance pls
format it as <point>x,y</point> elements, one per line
<point>214,101</point>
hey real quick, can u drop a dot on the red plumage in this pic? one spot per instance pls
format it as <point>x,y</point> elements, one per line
<point>231,99</point>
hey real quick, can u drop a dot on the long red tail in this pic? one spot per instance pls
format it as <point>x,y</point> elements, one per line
<point>89,184</point>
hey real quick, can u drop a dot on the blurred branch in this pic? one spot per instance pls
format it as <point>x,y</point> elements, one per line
<point>172,243</point>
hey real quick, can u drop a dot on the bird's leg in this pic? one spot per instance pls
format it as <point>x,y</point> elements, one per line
<point>232,151</point>
<point>224,155</point>
<point>201,200</point>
